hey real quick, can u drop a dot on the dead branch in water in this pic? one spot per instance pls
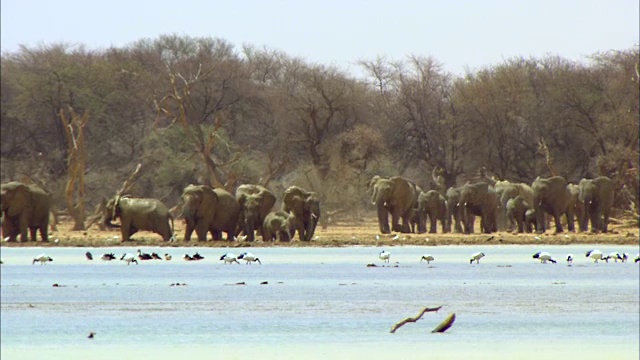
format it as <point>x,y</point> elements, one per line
<point>445,324</point>
<point>414,319</point>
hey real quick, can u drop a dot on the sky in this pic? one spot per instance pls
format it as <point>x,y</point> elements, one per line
<point>460,34</point>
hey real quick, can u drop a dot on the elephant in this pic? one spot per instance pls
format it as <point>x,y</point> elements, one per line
<point>507,190</point>
<point>206,209</point>
<point>433,205</point>
<point>517,208</point>
<point>139,214</point>
<point>481,200</point>
<point>577,205</point>
<point>551,195</point>
<point>305,206</point>
<point>25,207</point>
<point>454,212</point>
<point>596,195</point>
<point>397,196</point>
<point>279,225</point>
<point>255,203</point>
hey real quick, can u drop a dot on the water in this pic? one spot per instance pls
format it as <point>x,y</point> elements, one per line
<point>319,303</point>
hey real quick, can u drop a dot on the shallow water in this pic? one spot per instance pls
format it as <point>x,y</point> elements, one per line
<point>319,303</point>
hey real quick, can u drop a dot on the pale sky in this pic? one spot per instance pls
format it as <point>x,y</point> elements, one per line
<point>459,34</point>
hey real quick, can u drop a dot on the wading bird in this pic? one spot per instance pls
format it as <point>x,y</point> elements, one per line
<point>42,258</point>
<point>595,254</point>
<point>476,257</point>
<point>229,258</point>
<point>384,256</point>
<point>428,258</point>
<point>129,258</point>
<point>249,258</point>
<point>544,257</point>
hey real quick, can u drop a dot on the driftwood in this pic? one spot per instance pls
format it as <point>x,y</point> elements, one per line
<point>446,324</point>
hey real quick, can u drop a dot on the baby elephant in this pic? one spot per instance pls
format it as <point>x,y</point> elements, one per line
<point>279,225</point>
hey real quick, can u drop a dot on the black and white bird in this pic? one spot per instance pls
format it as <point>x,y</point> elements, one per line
<point>229,258</point>
<point>88,255</point>
<point>385,256</point>
<point>637,259</point>
<point>155,256</point>
<point>108,257</point>
<point>187,257</point>
<point>144,256</point>
<point>476,257</point>
<point>595,254</point>
<point>42,258</point>
<point>625,257</point>
<point>614,256</point>
<point>544,256</point>
<point>427,257</point>
<point>129,258</point>
<point>197,256</point>
<point>249,258</point>
<point>569,259</point>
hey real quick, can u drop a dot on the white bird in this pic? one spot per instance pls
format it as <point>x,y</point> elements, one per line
<point>615,256</point>
<point>427,257</point>
<point>249,258</point>
<point>242,238</point>
<point>129,258</point>
<point>229,258</point>
<point>544,257</point>
<point>384,255</point>
<point>537,238</point>
<point>42,258</point>
<point>377,237</point>
<point>595,254</point>
<point>625,257</point>
<point>397,237</point>
<point>316,238</point>
<point>569,259</point>
<point>477,256</point>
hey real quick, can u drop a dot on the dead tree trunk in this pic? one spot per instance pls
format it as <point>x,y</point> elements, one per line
<point>76,161</point>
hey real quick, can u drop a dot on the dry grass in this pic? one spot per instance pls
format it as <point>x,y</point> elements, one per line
<point>343,234</point>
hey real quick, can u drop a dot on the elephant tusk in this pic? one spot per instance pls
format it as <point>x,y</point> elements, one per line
<point>314,216</point>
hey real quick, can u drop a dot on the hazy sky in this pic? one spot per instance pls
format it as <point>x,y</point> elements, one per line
<point>459,34</point>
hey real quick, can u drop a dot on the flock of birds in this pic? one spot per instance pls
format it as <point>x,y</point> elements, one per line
<point>543,256</point>
<point>384,255</point>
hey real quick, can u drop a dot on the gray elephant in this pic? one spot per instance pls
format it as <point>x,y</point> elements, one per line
<point>280,226</point>
<point>205,210</point>
<point>138,214</point>
<point>481,200</point>
<point>551,195</point>
<point>255,203</point>
<point>25,207</point>
<point>305,206</point>
<point>596,195</point>
<point>433,205</point>
<point>454,212</point>
<point>517,208</point>
<point>578,206</point>
<point>397,196</point>
<point>507,190</point>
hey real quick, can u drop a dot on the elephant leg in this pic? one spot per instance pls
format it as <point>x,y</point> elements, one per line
<point>124,231</point>
<point>44,234</point>
<point>556,218</point>
<point>383,220</point>
<point>188,230</point>
<point>33,231</point>
<point>201,230</point>
<point>433,224</point>
<point>395,221</point>
<point>605,221</point>
<point>24,228</point>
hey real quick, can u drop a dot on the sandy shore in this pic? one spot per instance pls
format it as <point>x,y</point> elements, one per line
<point>364,233</point>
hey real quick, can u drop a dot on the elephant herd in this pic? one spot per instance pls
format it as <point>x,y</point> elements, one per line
<point>204,209</point>
<point>500,205</point>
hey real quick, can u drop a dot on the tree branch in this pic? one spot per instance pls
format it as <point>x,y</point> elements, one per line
<point>415,318</point>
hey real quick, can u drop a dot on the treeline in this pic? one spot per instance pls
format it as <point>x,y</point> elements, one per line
<point>198,110</point>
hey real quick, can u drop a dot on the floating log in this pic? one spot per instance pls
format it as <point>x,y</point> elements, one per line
<point>415,318</point>
<point>446,324</point>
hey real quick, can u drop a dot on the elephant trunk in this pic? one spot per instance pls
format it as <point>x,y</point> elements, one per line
<point>311,227</point>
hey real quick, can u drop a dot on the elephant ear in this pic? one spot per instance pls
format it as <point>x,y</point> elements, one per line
<point>116,202</point>
<point>208,200</point>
